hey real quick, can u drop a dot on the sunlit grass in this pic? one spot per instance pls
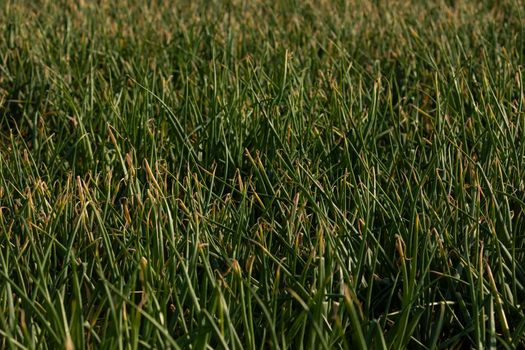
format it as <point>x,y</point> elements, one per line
<point>267,174</point>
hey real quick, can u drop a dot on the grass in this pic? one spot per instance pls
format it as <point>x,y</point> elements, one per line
<point>265,174</point>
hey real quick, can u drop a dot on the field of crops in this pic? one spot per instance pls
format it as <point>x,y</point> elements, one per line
<point>287,174</point>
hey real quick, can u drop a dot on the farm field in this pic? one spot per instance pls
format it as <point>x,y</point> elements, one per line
<point>284,174</point>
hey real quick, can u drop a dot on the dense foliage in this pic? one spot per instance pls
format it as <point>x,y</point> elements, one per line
<point>262,174</point>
